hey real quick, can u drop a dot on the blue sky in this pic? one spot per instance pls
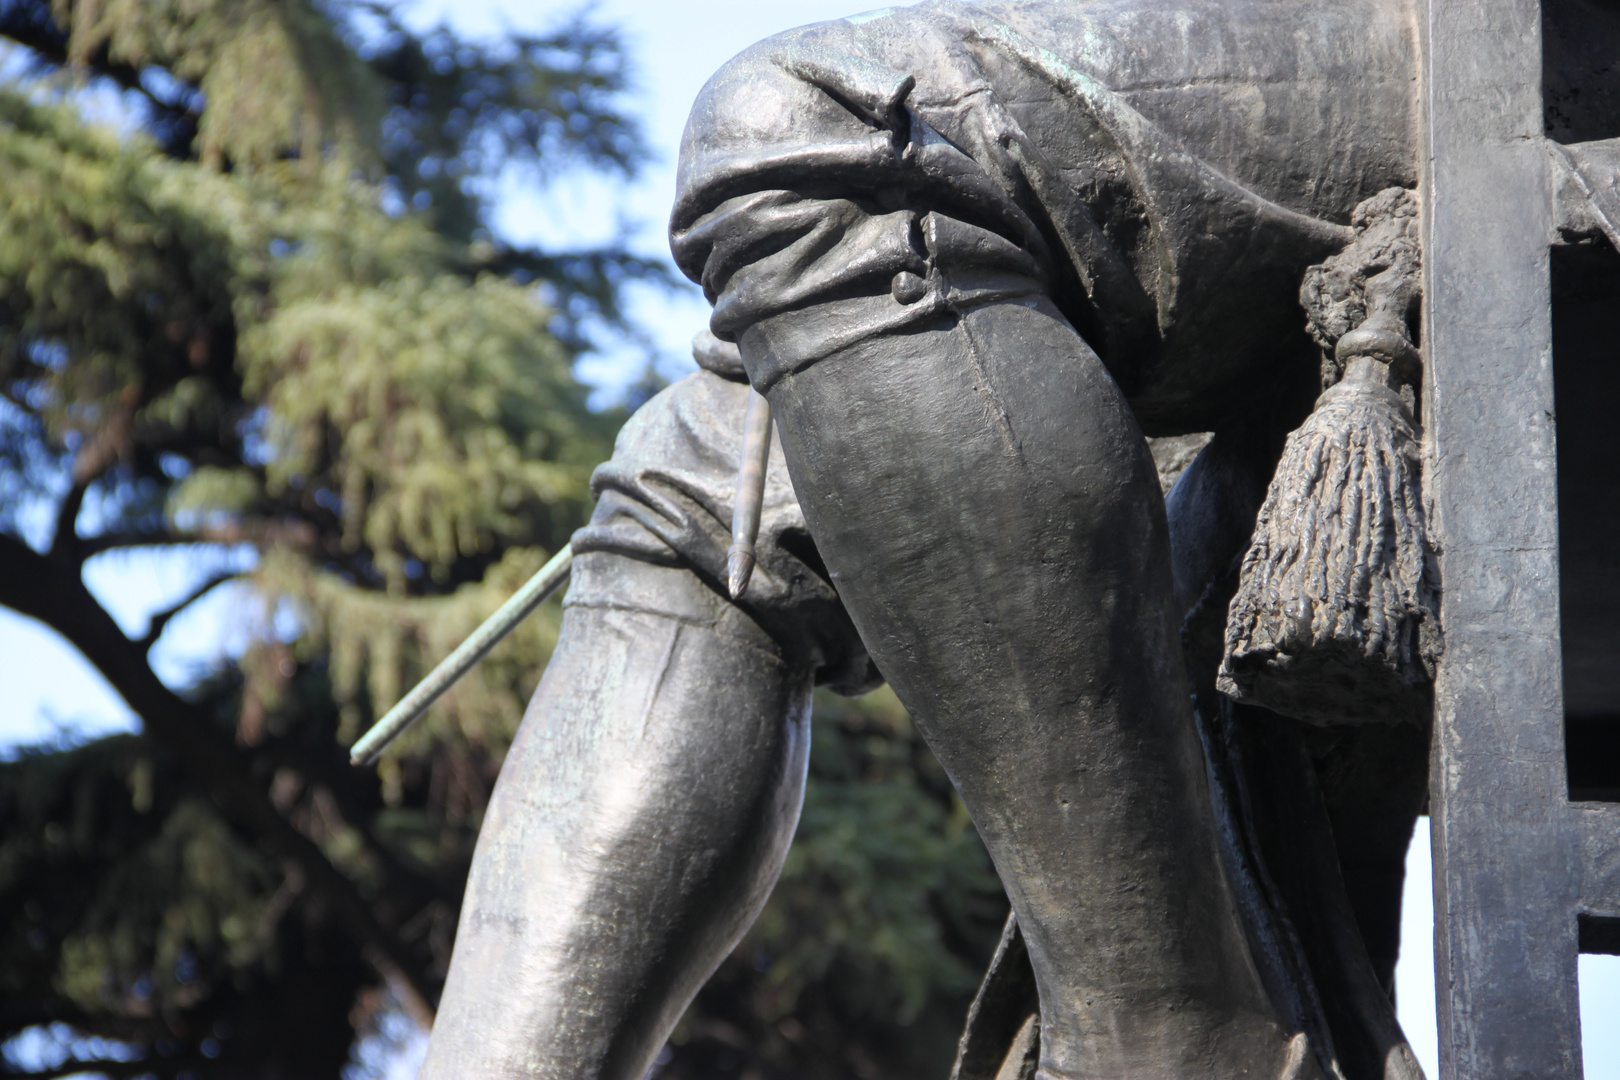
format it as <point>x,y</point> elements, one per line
<point>676,44</point>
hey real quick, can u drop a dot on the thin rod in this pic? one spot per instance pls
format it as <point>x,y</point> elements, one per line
<point>756,451</point>
<point>506,619</point>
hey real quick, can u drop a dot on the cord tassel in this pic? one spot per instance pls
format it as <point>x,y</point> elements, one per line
<point>1335,620</point>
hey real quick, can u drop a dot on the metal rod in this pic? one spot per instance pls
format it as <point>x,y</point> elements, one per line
<point>506,619</point>
<point>756,452</point>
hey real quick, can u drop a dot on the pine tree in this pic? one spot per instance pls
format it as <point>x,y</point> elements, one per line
<point>267,315</point>
<point>271,316</point>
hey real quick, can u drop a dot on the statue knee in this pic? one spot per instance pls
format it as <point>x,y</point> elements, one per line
<point>818,206</point>
<point>802,88</point>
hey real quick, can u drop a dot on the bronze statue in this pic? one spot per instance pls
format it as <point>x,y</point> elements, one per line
<point>972,255</point>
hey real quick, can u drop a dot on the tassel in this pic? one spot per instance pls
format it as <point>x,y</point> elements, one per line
<point>1335,619</point>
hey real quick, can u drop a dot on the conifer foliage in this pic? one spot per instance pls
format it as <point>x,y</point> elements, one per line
<point>263,320</point>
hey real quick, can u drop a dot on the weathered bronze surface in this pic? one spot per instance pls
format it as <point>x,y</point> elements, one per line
<point>973,255</point>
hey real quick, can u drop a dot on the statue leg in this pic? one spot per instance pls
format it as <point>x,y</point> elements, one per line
<point>644,809</point>
<point>989,511</point>
<point>639,823</point>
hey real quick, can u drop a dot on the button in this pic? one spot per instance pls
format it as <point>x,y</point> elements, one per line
<point>908,288</point>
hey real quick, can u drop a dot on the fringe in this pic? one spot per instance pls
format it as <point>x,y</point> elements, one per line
<point>1335,620</point>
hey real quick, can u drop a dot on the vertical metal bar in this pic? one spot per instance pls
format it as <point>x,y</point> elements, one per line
<point>1507,861</point>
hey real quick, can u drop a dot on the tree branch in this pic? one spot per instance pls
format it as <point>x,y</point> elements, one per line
<point>65,540</point>
<point>155,625</point>
<point>32,25</point>
<point>116,541</point>
<point>291,532</point>
<point>98,455</point>
<point>53,592</point>
<point>336,774</point>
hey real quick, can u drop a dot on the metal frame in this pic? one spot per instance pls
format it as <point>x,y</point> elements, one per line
<point>1515,862</point>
